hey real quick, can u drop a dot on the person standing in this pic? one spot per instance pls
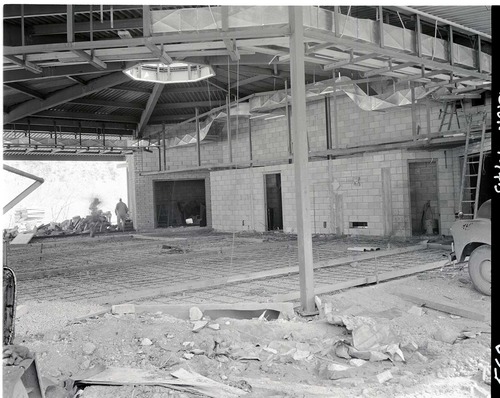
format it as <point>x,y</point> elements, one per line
<point>121,212</point>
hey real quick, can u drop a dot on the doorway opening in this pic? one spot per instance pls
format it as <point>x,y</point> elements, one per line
<point>180,203</point>
<point>274,203</point>
<point>424,198</point>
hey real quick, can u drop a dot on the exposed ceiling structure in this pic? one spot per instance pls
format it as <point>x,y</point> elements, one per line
<point>65,90</point>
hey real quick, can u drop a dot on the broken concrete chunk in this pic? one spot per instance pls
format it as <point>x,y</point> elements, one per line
<point>188,344</point>
<point>214,326</point>
<point>410,347</point>
<point>300,355</point>
<point>195,314</point>
<point>145,341</point>
<point>420,357</point>
<point>122,309</point>
<point>197,351</point>
<point>446,335</point>
<point>188,355</point>
<point>88,348</point>
<point>198,325</point>
<point>415,310</point>
<point>384,376</point>
<point>368,337</point>
<point>357,362</point>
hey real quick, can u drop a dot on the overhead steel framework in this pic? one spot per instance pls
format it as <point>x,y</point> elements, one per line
<point>63,65</point>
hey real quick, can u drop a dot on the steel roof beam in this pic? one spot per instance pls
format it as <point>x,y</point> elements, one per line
<point>113,104</point>
<point>91,59</point>
<point>48,122</point>
<point>11,11</point>
<point>351,60</point>
<point>17,75</point>
<point>24,64</point>
<point>26,90</point>
<point>183,105</point>
<point>244,33</point>
<point>62,96</point>
<point>87,116</point>
<point>148,111</point>
<point>159,53</point>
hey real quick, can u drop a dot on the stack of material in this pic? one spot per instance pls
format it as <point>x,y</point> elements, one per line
<point>76,225</point>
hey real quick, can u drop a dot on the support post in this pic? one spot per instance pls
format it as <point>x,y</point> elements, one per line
<point>164,147</point>
<point>381,25</point>
<point>70,24</point>
<point>146,21</point>
<point>328,127</point>
<point>413,113</point>
<point>478,60</point>
<point>335,120</point>
<point>428,115</point>
<point>450,44</point>
<point>288,124</point>
<point>198,150</point>
<point>306,273</point>
<point>336,11</point>
<point>418,36</point>
<point>250,140</point>
<point>229,143</point>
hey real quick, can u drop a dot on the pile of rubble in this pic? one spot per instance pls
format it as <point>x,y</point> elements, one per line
<point>78,225</point>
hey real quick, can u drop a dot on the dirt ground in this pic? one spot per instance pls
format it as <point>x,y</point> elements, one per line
<point>283,358</point>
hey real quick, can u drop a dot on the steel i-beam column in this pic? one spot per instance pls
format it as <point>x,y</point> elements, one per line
<point>300,154</point>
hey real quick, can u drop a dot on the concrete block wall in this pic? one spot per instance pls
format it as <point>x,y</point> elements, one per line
<point>342,191</point>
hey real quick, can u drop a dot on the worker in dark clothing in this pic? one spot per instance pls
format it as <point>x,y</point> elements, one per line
<point>121,212</point>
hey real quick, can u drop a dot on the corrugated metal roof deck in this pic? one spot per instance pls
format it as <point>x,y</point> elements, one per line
<point>474,17</point>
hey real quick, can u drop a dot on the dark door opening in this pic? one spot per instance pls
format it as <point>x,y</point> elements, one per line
<point>274,207</point>
<point>180,203</point>
<point>424,198</point>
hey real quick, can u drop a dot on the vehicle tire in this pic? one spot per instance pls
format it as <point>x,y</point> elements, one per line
<point>480,269</point>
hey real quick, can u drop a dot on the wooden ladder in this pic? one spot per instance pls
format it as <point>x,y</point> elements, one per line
<point>451,112</point>
<point>469,195</point>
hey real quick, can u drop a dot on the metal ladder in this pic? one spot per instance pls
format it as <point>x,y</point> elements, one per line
<point>469,203</point>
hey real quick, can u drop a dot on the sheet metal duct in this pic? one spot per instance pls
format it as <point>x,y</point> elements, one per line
<point>213,126</point>
<point>399,38</point>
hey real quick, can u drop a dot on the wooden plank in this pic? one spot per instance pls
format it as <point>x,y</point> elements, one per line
<point>364,280</point>
<point>445,306</point>
<point>22,239</point>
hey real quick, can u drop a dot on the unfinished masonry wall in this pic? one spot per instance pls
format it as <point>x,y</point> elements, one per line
<point>343,193</point>
<point>358,185</point>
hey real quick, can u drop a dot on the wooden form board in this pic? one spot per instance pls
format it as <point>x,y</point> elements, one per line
<point>22,239</point>
<point>364,280</point>
<point>444,305</point>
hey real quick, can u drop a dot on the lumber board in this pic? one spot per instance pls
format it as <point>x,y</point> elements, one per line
<point>182,310</point>
<point>22,239</point>
<point>446,306</point>
<point>364,280</point>
<point>290,389</point>
<point>209,283</point>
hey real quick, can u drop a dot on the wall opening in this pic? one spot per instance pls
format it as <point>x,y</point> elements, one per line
<point>180,203</point>
<point>424,198</point>
<point>274,203</point>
